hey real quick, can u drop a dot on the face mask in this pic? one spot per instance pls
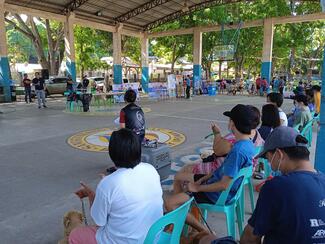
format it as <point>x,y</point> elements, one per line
<point>276,172</point>
<point>230,129</point>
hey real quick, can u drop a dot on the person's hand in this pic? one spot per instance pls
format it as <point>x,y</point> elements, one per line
<point>193,187</point>
<point>215,129</point>
<point>84,191</point>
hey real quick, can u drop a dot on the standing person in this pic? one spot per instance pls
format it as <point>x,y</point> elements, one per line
<point>277,100</point>
<point>290,207</point>
<point>38,82</point>
<point>264,86</point>
<point>188,87</point>
<point>132,116</point>
<point>127,202</point>
<point>258,83</point>
<point>28,90</point>
<point>69,84</point>
<point>281,85</point>
<point>317,98</point>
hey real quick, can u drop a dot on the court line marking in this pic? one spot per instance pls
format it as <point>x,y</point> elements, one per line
<point>189,118</point>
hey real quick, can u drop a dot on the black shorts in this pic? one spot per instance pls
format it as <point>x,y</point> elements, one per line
<point>200,197</point>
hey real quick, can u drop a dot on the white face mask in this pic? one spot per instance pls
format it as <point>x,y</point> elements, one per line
<point>280,162</point>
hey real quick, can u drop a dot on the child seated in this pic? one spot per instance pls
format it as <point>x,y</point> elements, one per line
<point>222,146</point>
<point>207,188</point>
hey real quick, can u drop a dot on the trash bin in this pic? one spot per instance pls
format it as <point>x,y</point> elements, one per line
<point>13,93</point>
<point>212,90</point>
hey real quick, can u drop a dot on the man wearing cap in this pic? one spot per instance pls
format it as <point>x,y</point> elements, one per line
<point>207,188</point>
<point>290,207</point>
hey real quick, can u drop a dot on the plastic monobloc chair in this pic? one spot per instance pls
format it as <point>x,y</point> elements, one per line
<point>307,132</point>
<point>232,207</point>
<point>176,218</point>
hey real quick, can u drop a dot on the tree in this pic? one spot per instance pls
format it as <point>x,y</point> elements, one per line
<point>46,37</point>
<point>91,45</point>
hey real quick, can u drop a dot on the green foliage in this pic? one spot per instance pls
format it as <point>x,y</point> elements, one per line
<point>19,47</point>
<point>131,47</point>
<point>91,45</point>
<point>288,39</point>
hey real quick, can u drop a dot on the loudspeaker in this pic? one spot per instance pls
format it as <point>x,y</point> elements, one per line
<point>45,74</point>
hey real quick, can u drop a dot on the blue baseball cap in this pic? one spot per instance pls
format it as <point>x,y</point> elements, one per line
<point>281,137</point>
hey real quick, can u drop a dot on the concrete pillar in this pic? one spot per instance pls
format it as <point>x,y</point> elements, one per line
<point>197,56</point>
<point>267,50</point>
<point>4,62</point>
<point>145,62</point>
<point>320,152</point>
<point>69,46</point>
<point>117,60</point>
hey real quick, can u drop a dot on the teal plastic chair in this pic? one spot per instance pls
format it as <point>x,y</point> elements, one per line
<point>297,128</point>
<point>232,208</point>
<point>307,132</point>
<point>176,218</point>
<point>249,183</point>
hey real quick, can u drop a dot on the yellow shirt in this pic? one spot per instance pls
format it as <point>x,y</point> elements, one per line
<point>317,98</point>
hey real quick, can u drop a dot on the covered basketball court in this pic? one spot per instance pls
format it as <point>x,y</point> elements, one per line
<point>138,19</point>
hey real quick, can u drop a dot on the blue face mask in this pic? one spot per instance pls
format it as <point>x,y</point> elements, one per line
<point>276,172</point>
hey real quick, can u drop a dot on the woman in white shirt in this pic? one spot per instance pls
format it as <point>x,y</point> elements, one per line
<point>127,202</point>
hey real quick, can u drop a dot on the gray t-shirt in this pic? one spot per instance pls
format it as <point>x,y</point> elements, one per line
<point>302,118</point>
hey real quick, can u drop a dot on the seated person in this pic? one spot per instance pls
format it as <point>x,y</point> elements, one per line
<point>310,100</point>
<point>301,118</point>
<point>300,90</point>
<point>222,146</point>
<point>124,207</point>
<point>277,100</point>
<point>132,116</point>
<point>317,98</point>
<point>270,120</point>
<point>290,207</point>
<point>207,188</point>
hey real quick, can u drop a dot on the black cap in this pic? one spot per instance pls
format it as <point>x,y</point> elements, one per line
<point>243,117</point>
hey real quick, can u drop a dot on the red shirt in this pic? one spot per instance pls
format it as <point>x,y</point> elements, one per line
<point>258,81</point>
<point>264,83</point>
<point>25,80</point>
<point>122,117</point>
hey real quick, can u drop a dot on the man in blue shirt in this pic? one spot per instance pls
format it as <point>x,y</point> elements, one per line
<point>207,188</point>
<point>188,87</point>
<point>290,207</point>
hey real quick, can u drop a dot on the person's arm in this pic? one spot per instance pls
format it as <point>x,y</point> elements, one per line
<point>265,216</point>
<point>317,102</point>
<point>221,146</point>
<point>122,119</point>
<point>248,236</point>
<point>203,179</point>
<point>86,191</point>
<point>221,185</point>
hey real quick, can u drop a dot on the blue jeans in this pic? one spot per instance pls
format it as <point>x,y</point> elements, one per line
<point>40,96</point>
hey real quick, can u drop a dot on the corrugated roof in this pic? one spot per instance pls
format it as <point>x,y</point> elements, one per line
<point>135,14</point>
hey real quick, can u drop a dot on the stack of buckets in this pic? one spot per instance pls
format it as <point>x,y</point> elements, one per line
<point>212,89</point>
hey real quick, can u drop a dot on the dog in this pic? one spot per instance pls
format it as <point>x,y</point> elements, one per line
<point>71,220</point>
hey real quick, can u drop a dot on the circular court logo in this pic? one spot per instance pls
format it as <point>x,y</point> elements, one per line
<point>97,140</point>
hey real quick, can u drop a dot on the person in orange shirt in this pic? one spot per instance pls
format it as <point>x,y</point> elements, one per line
<point>317,98</point>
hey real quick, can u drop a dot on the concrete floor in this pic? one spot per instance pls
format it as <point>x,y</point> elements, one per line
<point>40,172</point>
